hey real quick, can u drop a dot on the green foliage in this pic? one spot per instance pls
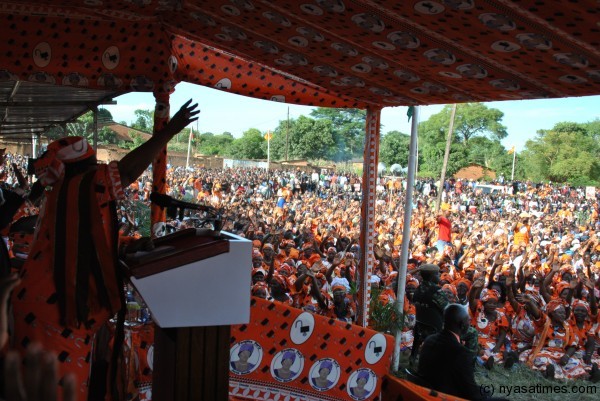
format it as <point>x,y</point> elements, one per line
<point>394,148</point>
<point>567,153</point>
<point>385,318</point>
<point>308,139</point>
<point>144,120</point>
<point>136,138</point>
<point>141,213</point>
<point>476,139</point>
<point>210,144</point>
<point>84,126</point>
<point>348,131</point>
<point>249,146</point>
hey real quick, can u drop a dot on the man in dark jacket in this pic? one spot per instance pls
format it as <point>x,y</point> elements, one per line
<point>445,364</point>
<point>430,301</point>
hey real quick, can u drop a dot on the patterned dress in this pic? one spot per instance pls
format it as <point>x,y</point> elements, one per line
<point>35,302</point>
<point>488,332</point>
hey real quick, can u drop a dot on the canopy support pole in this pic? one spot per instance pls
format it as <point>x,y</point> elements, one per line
<point>34,145</point>
<point>408,205</point>
<point>367,223</point>
<point>158,215</point>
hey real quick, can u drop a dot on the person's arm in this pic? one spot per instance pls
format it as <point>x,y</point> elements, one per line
<point>510,293</point>
<point>590,346</point>
<point>329,273</point>
<point>500,340</point>
<point>315,291</point>
<point>568,354</point>
<point>474,293</point>
<point>271,270</point>
<point>547,281</point>
<point>135,162</point>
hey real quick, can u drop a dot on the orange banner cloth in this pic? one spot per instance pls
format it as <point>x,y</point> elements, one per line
<point>287,354</point>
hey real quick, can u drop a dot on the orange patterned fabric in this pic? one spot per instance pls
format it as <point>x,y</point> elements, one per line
<point>158,214</point>
<point>285,353</point>
<point>324,52</point>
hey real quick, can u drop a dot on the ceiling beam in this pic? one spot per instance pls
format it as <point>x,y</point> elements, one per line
<point>55,104</point>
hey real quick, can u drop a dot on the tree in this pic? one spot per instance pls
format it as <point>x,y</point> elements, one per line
<point>144,120</point>
<point>84,126</point>
<point>475,139</point>
<point>472,119</point>
<point>308,139</point>
<point>210,144</point>
<point>394,148</point>
<point>348,130</point>
<point>562,156</point>
<point>249,146</point>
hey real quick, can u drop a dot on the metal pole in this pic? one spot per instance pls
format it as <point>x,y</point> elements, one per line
<point>34,144</point>
<point>187,160</point>
<point>95,111</point>
<point>446,155</point>
<point>512,174</point>
<point>287,135</point>
<point>268,150</point>
<point>408,204</point>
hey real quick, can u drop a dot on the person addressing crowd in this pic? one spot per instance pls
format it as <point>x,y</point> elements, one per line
<point>70,285</point>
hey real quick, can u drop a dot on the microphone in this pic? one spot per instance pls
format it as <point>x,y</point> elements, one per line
<point>166,201</point>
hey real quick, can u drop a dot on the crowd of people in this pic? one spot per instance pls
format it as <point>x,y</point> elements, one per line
<point>525,261</point>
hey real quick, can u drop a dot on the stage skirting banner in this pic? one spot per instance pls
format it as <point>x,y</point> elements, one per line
<point>287,354</point>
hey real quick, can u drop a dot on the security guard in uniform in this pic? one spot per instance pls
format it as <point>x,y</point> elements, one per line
<point>429,301</point>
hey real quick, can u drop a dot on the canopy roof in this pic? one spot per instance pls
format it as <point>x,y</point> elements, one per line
<point>333,53</point>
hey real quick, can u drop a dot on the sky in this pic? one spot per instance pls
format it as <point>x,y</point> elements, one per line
<point>226,112</point>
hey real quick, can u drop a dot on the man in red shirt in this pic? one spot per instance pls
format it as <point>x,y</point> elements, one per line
<point>444,230</point>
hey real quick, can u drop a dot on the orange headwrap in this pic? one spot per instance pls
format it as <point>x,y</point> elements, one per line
<point>579,302</point>
<point>463,281</point>
<point>489,294</point>
<point>554,305</point>
<point>450,287</point>
<point>561,286</point>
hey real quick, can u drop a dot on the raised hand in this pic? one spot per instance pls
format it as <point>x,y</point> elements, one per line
<point>186,115</point>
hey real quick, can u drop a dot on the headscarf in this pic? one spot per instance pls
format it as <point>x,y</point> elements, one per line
<point>289,355</point>
<point>463,281</point>
<point>412,281</point>
<point>489,294</point>
<point>363,374</point>
<point>281,280</point>
<point>554,305</point>
<point>285,269</point>
<point>261,285</point>
<point>326,365</point>
<point>580,302</point>
<point>50,167</point>
<point>563,285</point>
<point>246,347</point>
<point>450,287</point>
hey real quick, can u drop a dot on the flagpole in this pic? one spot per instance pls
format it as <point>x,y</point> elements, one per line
<point>268,149</point>
<point>187,161</point>
<point>512,175</point>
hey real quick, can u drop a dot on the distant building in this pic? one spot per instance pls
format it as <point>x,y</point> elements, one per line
<point>475,172</point>
<point>124,132</point>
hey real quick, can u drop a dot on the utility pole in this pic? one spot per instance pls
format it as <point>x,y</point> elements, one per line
<point>446,155</point>
<point>287,135</point>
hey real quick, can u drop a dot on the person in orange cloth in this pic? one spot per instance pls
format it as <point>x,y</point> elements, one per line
<point>70,285</point>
